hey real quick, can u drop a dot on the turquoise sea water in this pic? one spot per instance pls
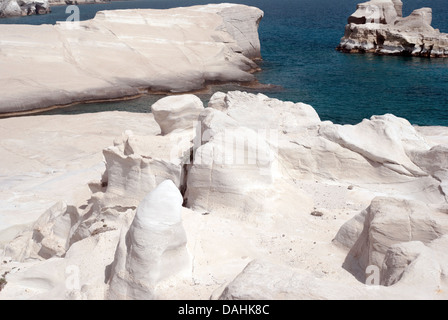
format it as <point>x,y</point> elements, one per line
<point>298,39</point>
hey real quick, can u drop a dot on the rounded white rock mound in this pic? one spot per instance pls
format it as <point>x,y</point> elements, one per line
<point>177,112</point>
<point>153,249</point>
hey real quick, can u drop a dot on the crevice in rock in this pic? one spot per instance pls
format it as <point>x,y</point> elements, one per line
<point>186,167</point>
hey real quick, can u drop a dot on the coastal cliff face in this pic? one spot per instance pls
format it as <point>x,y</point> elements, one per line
<point>378,26</point>
<point>126,52</point>
<point>250,198</point>
<point>14,8</point>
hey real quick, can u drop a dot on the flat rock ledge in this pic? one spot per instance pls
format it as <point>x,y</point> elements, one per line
<point>125,53</point>
<point>218,202</point>
<point>378,26</point>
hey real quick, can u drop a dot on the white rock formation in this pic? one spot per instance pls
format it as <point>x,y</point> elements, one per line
<point>251,173</point>
<point>398,138</point>
<point>263,280</point>
<point>259,112</point>
<point>75,2</point>
<point>378,26</point>
<point>413,262</point>
<point>12,8</point>
<point>384,12</point>
<point>389,221</point>
<point>153,249</point>
<point>49,159</point>
<point>136,165</point>
<point>49,236</point>
<point>177,112</point>
<point>126,52</point>
<point>235,161</point>
<point>80,275</point>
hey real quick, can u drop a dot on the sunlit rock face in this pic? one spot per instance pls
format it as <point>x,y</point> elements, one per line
<point>378,26</point>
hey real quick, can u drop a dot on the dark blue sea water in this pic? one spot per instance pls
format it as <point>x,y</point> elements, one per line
<point>298,39</point>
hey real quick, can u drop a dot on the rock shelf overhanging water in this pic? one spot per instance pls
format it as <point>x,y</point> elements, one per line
<point>126,52</point>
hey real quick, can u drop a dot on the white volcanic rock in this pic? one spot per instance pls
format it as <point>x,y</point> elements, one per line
<point>389,221</point>
<point>11,8</point>
<point>243,27</point>
<point>413,262</point>
<point>212,122</point>
<point>435,162</point>
<point>253,170</point>
<point>397,138</point>
<point>135,165</point>
<point>306,148</point>
<point>260,112</point>
<point>419,20</point>
<point>409,263</point>
<point>153,249</point>
<point>48,237</point>
<point>235,161</point>
<point>263,280</point>
<point>124,53</point>
<point>80,275</point>
<point>177,112</point>
<point>377,11</point>
<point>377,26</point>
<point>235,164</point>
<point>53,158</point>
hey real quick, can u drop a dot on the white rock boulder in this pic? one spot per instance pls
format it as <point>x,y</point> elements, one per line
<point>177,112</point>
<point>387,222</point>
<point>141,51</point>
<point>48,237</point>
<point>396,135</point>
<point>408,263</point>
<point>153,249</point>
<point>79,275</point>
<point>377,11</point>
<point>260,112</point>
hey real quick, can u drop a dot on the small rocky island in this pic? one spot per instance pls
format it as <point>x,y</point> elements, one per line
<point>17,8</point>
<point>378,26</point>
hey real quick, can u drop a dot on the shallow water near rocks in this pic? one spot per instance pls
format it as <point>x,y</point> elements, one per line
<point>298,40</point>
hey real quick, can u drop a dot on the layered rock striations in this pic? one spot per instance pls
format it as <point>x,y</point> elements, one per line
<point>126,52</point>
<point>378,26</point>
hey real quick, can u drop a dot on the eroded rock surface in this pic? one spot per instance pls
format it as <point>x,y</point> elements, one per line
<point>13,8</point>
<point>123,53</point>
<point>250,198</point>
<point>378,26</point>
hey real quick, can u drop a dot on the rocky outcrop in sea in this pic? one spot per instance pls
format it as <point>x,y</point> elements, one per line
<point>378,26</point>
<point>17,8</point>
